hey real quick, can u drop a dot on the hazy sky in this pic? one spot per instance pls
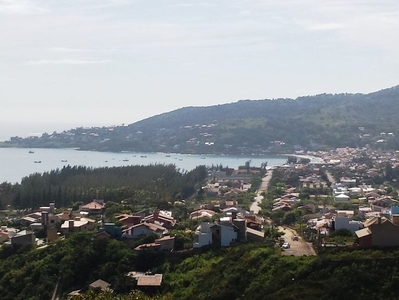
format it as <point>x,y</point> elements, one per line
<point>98,62</point>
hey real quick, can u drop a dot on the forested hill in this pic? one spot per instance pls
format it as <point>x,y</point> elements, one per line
<point>248,126</point>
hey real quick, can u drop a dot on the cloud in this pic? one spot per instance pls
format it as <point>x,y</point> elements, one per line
<point>20,8</point>
<point>65,62</point>
<point>325,26</point>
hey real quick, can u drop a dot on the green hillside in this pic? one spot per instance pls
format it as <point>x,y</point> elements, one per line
<point>248,126</point>
<point>253,271</point>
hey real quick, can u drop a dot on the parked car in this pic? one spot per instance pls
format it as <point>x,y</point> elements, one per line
<point>285,246</point>
<point>295,238</point>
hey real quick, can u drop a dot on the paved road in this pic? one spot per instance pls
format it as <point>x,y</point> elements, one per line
<point>297,248</point>
<point>263,187</point>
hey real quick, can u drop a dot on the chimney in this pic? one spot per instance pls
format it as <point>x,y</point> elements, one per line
<point>233,215</point>
<point>52,207</point>
<point>44,218</point>
<point>156,214</point>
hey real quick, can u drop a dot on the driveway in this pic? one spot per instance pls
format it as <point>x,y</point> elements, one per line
<point>297,248</point>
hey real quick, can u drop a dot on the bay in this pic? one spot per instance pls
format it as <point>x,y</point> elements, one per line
<point>16,163</point>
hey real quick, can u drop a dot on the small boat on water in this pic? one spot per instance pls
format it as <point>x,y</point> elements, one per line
<point>167,155</point>
<point>31,152</point>
<point>125,159</point>
<point>37,161</point>
<point>143,156</point>
<point>63,160</point>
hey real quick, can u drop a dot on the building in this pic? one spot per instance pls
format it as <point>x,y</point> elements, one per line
<point>142,229</point>
<point>76,225</point>
<point>379,232</point>
<point>96,207</point>
<point>23,238</point>
<point>203,235</point>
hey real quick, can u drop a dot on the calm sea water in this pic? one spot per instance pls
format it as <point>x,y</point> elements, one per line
<point>17,163</point>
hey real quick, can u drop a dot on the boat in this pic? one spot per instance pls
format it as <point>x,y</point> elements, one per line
<point>143,156</point>
<point>125,159</point>
<point>167,155</point>
<point>63,160</point>
<point>31,152</point>
<point>37,161</point>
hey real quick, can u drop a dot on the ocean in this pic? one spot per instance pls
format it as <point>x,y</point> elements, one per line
<point>16,163</point>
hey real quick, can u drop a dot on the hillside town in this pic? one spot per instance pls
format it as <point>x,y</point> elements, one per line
<point>346,198</point>
<point>346,189</point>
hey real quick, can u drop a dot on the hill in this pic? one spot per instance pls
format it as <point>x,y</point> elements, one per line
<point>247,126</point>
<point>253,271</point>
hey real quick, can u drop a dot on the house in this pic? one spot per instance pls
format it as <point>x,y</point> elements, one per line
<point>128,220</point>
<point>96,207</point>
<point>112,230</point>
<point>379,232</point>
<point>345,222</point>
<point>100,285</point>
<point>160,218</point>
<point>165,244</point>
<point>254,222</point>
<point>149,280</point>
<point>203,235</point>
<point>202,213</point>
<point>97,286</point>
<point>224,235</point>
<point>76,225</point>
<point>142,229</point>
<point>384,201</point>
<point>341,198</point>
<point>23,238</point>
<point>255,235</point>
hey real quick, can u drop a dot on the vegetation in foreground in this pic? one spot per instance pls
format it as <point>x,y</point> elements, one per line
<point>252,271</point>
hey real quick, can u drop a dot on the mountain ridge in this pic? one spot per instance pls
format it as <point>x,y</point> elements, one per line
<point>261,126</point>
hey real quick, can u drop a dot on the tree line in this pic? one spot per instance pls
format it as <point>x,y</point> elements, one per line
<point>78,184</point>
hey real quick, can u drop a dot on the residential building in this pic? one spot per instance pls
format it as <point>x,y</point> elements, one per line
<point>379,232</point>
<point>23,238</point>
<point>76,225</point>
<point>96,207</point>
<point>143,229</point>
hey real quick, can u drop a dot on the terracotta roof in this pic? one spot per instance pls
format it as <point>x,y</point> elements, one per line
<point>374,220</point>
<point>147,246</point>
<point>100,284</point>
<point>150,280</point>
<point>151,226</point>
<point>165,238</point>
<point>93,205</point>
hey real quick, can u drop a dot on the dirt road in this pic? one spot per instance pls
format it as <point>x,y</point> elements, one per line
<point>263,187</point>
<point>297,248</point>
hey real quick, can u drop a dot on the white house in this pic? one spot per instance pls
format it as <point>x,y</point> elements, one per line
<point>142,229</point>
<point>343,222</point>
<point>202,235</point>
<point>341,198</point>
<point>225,234</point>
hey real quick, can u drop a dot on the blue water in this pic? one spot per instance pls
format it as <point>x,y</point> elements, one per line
<point>17,163</point>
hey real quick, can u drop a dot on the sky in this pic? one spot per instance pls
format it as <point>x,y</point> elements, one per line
<point>71,63</point>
